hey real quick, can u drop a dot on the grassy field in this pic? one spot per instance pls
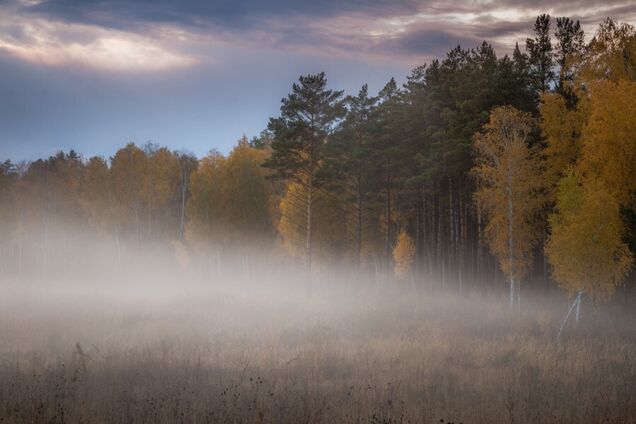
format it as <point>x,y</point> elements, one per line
<point>189,354</point>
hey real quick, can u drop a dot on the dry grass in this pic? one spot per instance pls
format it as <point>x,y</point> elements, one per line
<point>191,355</point>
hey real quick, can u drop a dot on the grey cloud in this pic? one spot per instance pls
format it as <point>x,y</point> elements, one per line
<point>241,13</point>
<point>431,42</point>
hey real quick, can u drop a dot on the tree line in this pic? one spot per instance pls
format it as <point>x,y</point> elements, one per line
<point>478,169</point>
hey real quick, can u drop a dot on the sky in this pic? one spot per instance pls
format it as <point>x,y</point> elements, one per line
<point>198,74</point>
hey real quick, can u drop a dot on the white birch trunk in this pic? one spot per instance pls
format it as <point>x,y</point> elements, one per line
<point>510,239</point>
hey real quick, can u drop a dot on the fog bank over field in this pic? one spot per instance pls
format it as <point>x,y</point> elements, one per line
<point>163,335</point>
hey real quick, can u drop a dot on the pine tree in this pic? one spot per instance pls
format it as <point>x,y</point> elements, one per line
<point>348,160</point>
<point>387,157</point>
<point>541,56</point>
<point>570,44</point>
<point>308,116</point>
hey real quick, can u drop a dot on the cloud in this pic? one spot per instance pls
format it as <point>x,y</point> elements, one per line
<point>237,13</point>
<point>50,42</point>
<point>163,34</point>
<point>432,42</point>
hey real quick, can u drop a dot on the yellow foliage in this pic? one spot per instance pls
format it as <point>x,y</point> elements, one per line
<point>245,193</point>
<point>609,139</point>
<point>403,255</point>
<point>585,247</point>
<point>611,55</point>
<point>128,170</point>
<point>562,128</point>
<point>96,194</point>
<point>510,187</point>
<point>160,184</point>
<point>229,198</point>
<point>597,142</point>
<point>290,226</point>
<point>330,240</point>
<point>204,204</point>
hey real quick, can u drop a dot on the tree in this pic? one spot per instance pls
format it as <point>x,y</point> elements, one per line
<point>609,139</point>
<point>245,192</point>
<point>8,178</point>
<point>509,190</point>
<point>331,244</point>
<point>403,255</point>
<point>348,159</point>
<point>522,96</point>
<point>611,54</point>
<point>187,164</point>
<point>229,201</point>
<point>308,116</point>
<point>98,200</point>
<point>561,126</point>
<point>97,194</point>
<point>160,193</point>
<point>570,44</point>
<point>204,207</point>
<point>540,54</point>
<point>387,157</point>
<point>591,154</point>
<point>262,141</point>
<point>128,170</point>
<point>585,247</point>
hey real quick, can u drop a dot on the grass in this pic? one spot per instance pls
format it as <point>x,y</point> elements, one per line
<point>187,354</point>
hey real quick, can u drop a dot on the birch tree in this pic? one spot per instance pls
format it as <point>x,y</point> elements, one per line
<point>510,191</point>
<point>585,247</point>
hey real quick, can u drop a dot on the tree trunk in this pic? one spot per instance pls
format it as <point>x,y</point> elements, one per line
<point>359,225</point>
<point>21,244</point>
<point>479,248</point>
<point>440,253</point>
<point>387,217</point>
<point>45,253</point>
<point>451,227</point>
<point>576,303</point>
<point>184,187</point>
<point>308,240</point>
<point>512,292</point>
<point>510,239</point>
<point>118,246</point>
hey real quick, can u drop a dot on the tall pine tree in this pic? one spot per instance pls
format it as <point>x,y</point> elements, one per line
<point>308,116</point>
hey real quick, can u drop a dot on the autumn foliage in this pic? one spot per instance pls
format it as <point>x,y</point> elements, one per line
<point>508,173</point>
<point>403,255</point>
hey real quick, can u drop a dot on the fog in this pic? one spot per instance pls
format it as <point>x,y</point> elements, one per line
<point>133,332</point>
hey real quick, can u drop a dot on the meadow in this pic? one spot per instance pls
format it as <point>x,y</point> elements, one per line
<point>241,352</point>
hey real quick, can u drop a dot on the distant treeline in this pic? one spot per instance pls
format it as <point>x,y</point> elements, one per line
<point>524,164</point>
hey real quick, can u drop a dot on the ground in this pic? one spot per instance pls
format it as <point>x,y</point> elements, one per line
<point>171,353</point>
